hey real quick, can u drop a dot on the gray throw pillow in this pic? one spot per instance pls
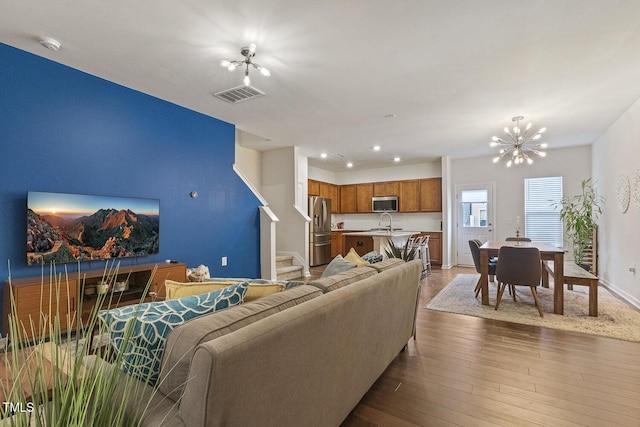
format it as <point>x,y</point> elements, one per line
<point>337,265</point>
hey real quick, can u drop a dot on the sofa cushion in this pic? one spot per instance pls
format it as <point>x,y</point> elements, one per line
<point>183,341</point>
<point>387,264</point>
<point>336,281</point>
<point>337,265</point>
<point>288,284</point>
<point>257,288</point>
<point>139,331</point>
<point>353,257</point>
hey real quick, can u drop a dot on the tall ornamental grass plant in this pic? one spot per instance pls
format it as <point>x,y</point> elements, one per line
<point>83,386</point>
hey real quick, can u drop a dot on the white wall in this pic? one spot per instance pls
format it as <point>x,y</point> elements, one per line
<point>279,186</point>
<point>617,152</point>
<point>573,164</point>
<point>392,173</point>
<point>321,175</point>
<point>250,163</point>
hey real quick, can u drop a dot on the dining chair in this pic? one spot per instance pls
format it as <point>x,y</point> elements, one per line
<point>518,267</point>
<point>517,239</point>
<point>474,245</point>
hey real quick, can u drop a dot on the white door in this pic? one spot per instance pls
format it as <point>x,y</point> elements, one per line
<point>474,218</point>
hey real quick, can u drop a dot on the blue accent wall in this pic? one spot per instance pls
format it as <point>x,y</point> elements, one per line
<point>62,130</point>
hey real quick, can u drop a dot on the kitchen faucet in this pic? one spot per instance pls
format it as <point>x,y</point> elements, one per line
<point>390,220</point>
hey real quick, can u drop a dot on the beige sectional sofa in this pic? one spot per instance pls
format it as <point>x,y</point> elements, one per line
<point>302,357</point>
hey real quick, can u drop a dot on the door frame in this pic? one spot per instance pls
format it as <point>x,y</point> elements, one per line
<point>491,216</point>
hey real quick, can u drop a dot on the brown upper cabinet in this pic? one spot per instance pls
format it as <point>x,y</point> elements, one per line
<point>431,195</point>
<point>415,195</point>
<point>331,191</point>
<point>325,189</point>
<point>389,188</point>
<point>348,198</point>
<point>409,196</point>
<point>313,187</point>
<point>364,193</point>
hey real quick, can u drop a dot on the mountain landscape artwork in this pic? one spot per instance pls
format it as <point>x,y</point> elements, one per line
<point>73,227</point>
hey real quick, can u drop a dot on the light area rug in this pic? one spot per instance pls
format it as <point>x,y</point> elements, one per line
<point>616,319</point>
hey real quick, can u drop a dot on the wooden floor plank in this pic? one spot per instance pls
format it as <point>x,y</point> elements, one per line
<point>468,371</point>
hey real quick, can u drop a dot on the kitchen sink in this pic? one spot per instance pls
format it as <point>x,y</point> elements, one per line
<point>385,229</point>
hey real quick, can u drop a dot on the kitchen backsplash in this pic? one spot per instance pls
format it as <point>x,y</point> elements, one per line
<point>405,221</point>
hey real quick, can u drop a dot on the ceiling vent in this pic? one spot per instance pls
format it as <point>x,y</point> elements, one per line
<point>239,94</point>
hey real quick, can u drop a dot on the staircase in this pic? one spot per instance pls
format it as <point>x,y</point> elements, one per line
<point>285,269</point>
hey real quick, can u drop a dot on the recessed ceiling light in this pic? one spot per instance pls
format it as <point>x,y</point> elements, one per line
<point>51,44</point>
<point>349,165</point>
<point>376,148</point>
<point>390,116</point>
<point>323,155</point>
<point>396,159</point>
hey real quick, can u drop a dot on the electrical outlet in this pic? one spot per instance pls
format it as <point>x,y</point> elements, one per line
<point>224,261</point>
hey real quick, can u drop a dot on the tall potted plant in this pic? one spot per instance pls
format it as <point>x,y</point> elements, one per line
<point>579,214</point>
<point>80,387</point>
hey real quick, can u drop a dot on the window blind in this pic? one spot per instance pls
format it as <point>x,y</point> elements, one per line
<point>542,221</point>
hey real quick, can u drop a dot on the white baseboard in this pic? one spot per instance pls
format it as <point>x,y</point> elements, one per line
<point>621,293</point>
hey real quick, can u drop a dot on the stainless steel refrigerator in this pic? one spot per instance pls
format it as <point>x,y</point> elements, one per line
<point>319,231</point>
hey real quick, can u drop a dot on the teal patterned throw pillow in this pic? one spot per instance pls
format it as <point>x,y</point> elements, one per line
<point>372,257</point>
<point>140,331</point>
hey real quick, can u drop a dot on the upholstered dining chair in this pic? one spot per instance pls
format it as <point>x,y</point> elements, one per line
<point>517,239</point>
<point>474,245</point>
<point>518,267</point>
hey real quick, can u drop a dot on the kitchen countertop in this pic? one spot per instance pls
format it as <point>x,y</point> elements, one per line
<point>385,233</point>
<point>382,233</point>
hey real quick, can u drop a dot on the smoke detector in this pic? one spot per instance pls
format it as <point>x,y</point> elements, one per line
<point>51,44</point>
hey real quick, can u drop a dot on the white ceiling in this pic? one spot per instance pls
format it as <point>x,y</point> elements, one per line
<point>453,72</point>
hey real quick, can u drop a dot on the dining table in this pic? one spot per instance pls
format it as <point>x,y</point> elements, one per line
<point>547,253</point>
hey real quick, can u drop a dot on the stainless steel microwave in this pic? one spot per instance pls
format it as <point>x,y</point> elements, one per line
<point>384,204</point>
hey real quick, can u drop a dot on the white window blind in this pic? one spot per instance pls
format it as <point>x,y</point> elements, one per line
<point>542,221</point>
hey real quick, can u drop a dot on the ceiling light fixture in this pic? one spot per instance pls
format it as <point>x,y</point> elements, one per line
<point>349,165</point>
<point>396,159</point>
<point>248,52</point>
<point>376,148</point>
<point>521,145</point>
<point>323,155</point>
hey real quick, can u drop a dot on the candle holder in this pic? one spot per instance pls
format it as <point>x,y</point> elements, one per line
<point>518,237</point>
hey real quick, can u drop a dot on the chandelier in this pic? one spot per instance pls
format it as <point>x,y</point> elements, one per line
<point>248,52</point>
<point>520,146</point>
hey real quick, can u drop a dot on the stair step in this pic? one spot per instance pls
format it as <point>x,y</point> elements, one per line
<point>289,272</point>
<point>284,261</point>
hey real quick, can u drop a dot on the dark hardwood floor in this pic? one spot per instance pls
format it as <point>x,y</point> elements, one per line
<point>467,371</point>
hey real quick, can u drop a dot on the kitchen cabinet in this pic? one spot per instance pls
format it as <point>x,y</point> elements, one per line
<point>348,198</point>
<point>431,195</point>
<point>364,193</point>
<point>336,244</point>
<point>326,190</point>
<point>331,191</point>
<point>415,195</point>
<point>361,244</point>
<point>409,196</point>
<point>313,187</point>
<point>389,188</point>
